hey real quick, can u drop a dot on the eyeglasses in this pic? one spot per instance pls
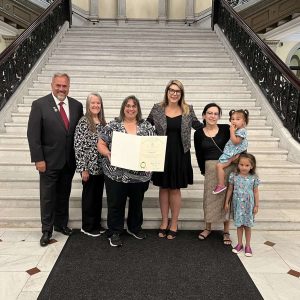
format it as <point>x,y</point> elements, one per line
<point>210,113</point>
<point>130,106</point>
<point>173,92</point>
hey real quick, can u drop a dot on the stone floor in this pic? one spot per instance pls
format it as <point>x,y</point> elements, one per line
<point>25,266</point>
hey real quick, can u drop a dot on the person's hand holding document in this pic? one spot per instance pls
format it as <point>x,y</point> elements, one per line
<point>138,153</point>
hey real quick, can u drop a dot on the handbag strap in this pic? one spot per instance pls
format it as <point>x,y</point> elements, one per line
<point>216,144</point>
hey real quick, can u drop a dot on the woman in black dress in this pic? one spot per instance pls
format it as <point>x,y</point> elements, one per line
<point>173,118</point>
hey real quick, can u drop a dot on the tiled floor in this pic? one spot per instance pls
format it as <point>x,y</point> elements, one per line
<point>276,254</point>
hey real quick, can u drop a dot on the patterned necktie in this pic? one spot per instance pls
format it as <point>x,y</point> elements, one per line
<point>64,115</point>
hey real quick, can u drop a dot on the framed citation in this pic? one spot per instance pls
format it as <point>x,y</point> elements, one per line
<point>138,153</point>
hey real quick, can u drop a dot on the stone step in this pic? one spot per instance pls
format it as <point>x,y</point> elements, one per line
<point>147,103</point>
<point>22,117</point>
<point>22,128</point>
<point>20,154</point>
<point>144,44</point>
<point>254,141</point>
<point>23,113</point>
<point>22,151</point>
<point>97,34</point>
<point>263,167</point>
<point>213,94</point>
<point>140,63</point>
<point>189,218</point>
<point>112,105</point>
<point>29,180</point>
<point>139,51</point>
<point>45,80</point>
<point>114,85</point>
<point>151,200</point>
<point>215,68</point>
<point>159,42</point>
<point>80,89</point>
<point>118,55</point>
<point>110,30</point>
<point>76,66</point>
<point>191,194</point>
<point>132,36</point>
<point>213,73</point>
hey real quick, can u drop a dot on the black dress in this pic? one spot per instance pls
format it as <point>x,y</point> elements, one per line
<point>178,172</point>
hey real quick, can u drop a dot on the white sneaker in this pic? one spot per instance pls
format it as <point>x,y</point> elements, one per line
<point>93,233</point>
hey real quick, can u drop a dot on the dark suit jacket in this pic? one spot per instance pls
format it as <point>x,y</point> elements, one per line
<point>48,138</point>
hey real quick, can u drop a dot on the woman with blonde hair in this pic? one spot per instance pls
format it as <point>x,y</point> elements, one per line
<point>89,164</point>
<point>174,118</point>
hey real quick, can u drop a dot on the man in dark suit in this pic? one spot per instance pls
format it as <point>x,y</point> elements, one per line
<point>50,134</point>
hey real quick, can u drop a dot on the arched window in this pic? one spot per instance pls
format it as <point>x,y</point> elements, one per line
<point>295,63</point>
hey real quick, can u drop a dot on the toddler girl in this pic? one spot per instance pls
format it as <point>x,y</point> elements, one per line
<point>243,187</point>
<point>237,144</point>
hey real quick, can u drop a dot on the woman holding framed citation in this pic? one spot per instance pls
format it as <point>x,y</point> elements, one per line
<point>122,183</point>
<point>174,118</point>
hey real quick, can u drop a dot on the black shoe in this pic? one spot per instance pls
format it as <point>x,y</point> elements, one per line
<point>140,235</point>
<point>64,230</point>
<point>115,240</point>
<point>45,239</point>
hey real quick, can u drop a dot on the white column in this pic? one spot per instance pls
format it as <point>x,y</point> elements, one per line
<point>189,10</point>
<point>162,11</point>
<point>121,11</point>
<point>94,10</point>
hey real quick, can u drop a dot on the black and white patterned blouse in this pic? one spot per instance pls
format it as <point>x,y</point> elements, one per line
<point>85,144</point>
<point>144,128</point>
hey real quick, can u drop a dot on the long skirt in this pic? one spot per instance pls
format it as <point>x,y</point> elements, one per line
<point>213,205</point>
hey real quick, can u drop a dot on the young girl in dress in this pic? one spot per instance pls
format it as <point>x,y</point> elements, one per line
<point>243,187</point>
<point>237,144</point>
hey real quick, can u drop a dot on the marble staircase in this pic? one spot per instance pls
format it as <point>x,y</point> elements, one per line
<point>120,61</point>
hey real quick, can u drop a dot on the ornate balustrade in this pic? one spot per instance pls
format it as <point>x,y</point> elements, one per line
<point>17,60</point>
<point>277,82</point>
<point>235,3</point>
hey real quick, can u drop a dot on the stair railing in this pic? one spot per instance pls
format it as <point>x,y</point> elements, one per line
<point>278,83</point>
<point>17,60</point>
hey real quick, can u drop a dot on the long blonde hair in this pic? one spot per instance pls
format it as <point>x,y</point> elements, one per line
<point>88,114</point>
<point>184,106</point>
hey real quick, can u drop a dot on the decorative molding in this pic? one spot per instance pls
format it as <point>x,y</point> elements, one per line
<point>267,13</point>
<point>21,12</point>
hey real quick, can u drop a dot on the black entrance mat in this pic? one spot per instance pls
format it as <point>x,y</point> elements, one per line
<point>184,268</point>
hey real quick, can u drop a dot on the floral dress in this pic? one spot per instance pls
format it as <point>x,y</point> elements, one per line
<point>231,149</point>
<point>243,198</point>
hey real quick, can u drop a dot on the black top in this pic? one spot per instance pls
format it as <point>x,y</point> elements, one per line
<point>205,148</point>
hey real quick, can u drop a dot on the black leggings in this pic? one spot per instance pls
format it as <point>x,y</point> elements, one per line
<point>117,193</point>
